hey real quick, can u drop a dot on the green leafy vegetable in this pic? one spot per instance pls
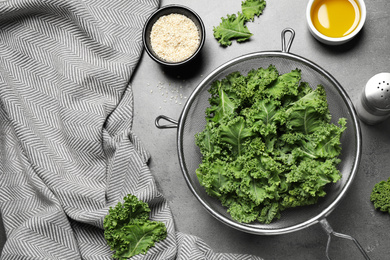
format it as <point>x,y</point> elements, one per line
<point>128,230</point>
<point>268,144</point>
<point>233,27</point>
<point>380,196</point>
<point>252,8</point>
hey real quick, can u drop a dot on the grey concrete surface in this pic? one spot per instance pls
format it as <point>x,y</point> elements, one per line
<point>351,64</point>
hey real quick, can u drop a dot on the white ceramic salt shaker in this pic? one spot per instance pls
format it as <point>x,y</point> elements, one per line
<point>373,105</point>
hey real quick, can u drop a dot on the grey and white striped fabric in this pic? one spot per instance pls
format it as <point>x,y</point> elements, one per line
<point>67,150</point>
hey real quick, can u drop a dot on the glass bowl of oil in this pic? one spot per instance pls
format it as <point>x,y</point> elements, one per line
<point>335,22</point>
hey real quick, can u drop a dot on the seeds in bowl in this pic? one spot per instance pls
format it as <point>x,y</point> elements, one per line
<point>174,37</point>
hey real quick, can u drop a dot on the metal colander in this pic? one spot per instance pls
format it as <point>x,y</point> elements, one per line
<point>192,120</point>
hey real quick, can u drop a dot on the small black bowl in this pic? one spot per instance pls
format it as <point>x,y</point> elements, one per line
<point>166,10</point>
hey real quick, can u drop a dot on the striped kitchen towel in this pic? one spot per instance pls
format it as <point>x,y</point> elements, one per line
<point>67,150</point>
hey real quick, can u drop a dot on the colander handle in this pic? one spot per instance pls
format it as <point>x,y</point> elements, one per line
<point>286,47</point>
<point>329,230</point>
<point>166,118</point>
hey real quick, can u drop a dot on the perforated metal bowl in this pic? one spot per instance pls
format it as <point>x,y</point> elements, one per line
<point>192,120</point>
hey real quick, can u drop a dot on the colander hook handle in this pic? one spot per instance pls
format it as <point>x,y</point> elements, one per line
<point>166,118</point>
<point>286,47</point>
<point>329,230</point>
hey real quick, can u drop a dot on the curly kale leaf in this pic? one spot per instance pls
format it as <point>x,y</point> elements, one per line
<point>252,8</point>
<point>309,113</point>
<point>268,144</point>
<point>128,230</point>
<point>380,196</point>
<point>284,86</point>
<point>232,27</point>
<point>223,107</point>
<point>235,133</point>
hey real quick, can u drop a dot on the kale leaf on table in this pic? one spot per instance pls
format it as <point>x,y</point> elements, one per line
<point>380,196</point>
<point>252,8</point>
<point>268,144</point>
<point>233,27</point>
<point>128,230</point>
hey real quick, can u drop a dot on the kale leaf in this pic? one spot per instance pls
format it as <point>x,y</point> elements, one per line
<point>234,26</point>
<point>252,8</point>
<point>128,230</point>
<point>380,196</point>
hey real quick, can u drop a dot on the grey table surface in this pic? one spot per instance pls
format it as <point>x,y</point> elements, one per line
<point>351,64</point>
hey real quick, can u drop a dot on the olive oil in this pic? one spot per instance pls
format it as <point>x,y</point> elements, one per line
<point>335,18</point>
